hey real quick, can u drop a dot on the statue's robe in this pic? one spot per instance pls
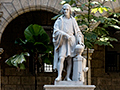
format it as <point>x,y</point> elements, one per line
<point>62,46</point>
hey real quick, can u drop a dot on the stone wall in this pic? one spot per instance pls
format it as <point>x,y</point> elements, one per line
<point>24,80</point>
<point>103,80</point>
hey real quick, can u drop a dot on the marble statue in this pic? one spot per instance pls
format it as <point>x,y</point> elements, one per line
<point>66,35</point>
<point>79,65</point>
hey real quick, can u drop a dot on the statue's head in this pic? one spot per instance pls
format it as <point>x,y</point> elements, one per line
<point>66,10</point>
<point>79,49</point>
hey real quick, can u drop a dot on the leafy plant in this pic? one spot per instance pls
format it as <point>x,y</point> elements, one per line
<point>94,27</point>
<point>18,60</point>
<point>36,42</point>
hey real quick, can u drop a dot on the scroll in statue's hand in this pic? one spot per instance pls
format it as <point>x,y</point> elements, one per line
<point>68,37</point>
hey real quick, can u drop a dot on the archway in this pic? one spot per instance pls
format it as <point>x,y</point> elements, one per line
<point>13,8</point>
<point>15,29</point>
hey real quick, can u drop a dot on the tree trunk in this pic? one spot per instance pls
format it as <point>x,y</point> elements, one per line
<point>36,60</point>
<point>35,76</point>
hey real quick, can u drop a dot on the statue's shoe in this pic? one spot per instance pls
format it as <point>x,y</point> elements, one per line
<point>58,79</point>
<point>68,79</point>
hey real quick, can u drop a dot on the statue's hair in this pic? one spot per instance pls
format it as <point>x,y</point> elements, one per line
<point>69,8</point>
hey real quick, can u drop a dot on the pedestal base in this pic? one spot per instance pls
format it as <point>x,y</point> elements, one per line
<point>69,87</point>
<point>68,83</point>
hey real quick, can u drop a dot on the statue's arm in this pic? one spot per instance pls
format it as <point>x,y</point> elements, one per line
<point>85,69</point>
<point>80,36</point>
<point>84,63</point>
<point>57,30</point>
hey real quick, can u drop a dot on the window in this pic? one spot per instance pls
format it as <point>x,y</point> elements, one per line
<point>112,61</point>
<point>112,55</point>
<point>47,68</point>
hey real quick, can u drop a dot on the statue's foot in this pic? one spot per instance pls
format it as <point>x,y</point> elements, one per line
<point>68,79</point>
<point>58,79</point>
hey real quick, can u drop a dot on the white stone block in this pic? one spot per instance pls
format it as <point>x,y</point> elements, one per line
<point>25,5</point>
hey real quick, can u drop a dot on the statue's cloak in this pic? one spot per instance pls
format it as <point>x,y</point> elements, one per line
<point>58,34</point>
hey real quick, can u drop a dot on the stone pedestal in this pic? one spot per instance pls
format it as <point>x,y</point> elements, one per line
<point>69,87</point>
<point>68,83</point>
<point>77,69</point>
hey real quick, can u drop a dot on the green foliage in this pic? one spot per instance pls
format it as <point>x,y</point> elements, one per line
<point>69,1</point>
<point>93,33</point>
<point>18,60</point>
<point>48,56</point>
<point>37,42</point>
<point>55,17</point>
<point>35,33</point>
<point>36,39</point>
<point>105,41</point>
<point>99,9</point>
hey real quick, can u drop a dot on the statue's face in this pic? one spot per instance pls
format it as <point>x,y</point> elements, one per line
<point>66,11</point>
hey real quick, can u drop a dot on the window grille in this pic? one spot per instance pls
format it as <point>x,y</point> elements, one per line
<point>47,68</point>
<point>112,62</point>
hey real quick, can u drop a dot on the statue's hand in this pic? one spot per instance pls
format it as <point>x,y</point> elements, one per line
<point>81,43</point>
<point>86,69</point>
<point>68,37</point>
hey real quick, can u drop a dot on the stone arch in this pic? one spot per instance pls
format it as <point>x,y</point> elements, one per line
<point>13,8</point>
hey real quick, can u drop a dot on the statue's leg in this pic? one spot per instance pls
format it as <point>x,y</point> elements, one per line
<point>60,68</point>
<point>69,66</point>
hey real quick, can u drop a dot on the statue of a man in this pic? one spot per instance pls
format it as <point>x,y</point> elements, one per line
<point>66,36</point>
